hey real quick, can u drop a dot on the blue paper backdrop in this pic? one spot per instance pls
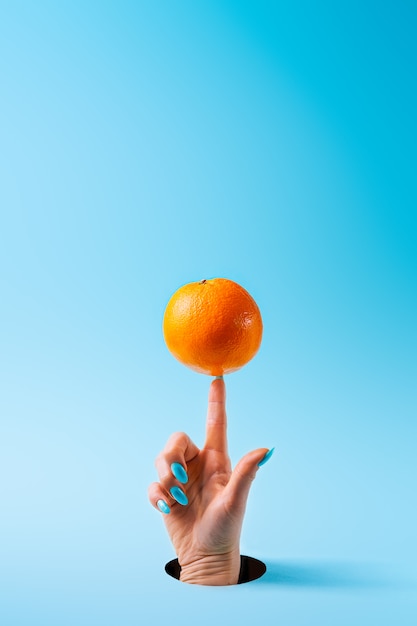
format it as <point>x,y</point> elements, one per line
<point>148,144</point>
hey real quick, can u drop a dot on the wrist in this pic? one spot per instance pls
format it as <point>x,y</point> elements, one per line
<point>215,570</point>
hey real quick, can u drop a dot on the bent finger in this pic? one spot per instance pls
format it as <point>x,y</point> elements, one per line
<point>171,462</point>
<point>159,498</point>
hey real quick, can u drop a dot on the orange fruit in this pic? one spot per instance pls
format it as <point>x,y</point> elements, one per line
<point>212,326</point>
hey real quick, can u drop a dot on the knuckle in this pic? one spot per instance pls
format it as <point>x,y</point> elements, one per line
<point>245,474</point>
<point>151,490</point>
<point>177,437</point>
<point>159,457</point>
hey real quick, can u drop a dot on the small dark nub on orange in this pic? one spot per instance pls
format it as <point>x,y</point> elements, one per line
<point>203,281</point>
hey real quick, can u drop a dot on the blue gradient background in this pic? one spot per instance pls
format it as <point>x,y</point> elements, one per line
<point>148,144</point>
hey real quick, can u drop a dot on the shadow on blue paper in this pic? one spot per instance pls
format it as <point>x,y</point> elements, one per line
<point>329,575</point>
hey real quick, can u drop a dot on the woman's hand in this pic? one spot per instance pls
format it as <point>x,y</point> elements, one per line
<point>203,500</point>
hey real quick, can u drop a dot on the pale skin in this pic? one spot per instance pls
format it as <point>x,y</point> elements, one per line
<point>205,532</point>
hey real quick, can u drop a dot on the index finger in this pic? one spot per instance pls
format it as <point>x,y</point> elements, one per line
<point>216,425</point>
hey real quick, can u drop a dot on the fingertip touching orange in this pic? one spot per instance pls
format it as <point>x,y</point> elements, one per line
<point>213,326</point>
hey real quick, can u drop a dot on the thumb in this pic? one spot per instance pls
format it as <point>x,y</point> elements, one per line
<point>240,482</point>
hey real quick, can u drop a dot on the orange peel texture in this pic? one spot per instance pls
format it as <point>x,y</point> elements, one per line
<point>213,326</point>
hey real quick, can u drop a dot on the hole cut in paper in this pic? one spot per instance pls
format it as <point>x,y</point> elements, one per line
<point>250,569</point>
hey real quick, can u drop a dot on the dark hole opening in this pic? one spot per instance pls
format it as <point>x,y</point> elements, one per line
<point>250,569</point>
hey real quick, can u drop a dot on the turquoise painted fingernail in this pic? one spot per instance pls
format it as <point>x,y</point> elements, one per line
<point>179,473</point>
<point>266,457</point>
<point>163,507</point>
<point>178,495</point>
